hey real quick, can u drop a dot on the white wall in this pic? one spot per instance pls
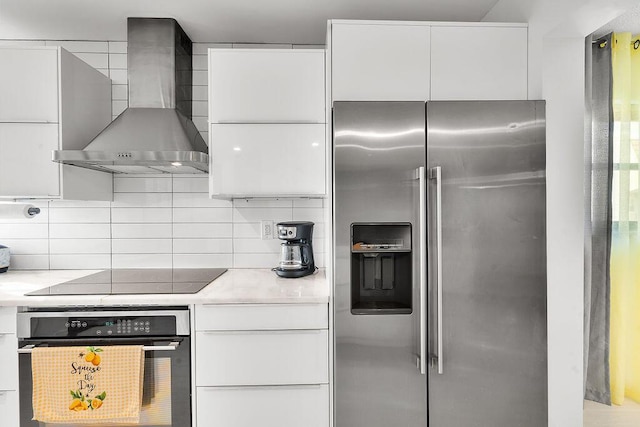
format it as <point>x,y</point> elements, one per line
<point>154,221</point>
<point>557,29</point>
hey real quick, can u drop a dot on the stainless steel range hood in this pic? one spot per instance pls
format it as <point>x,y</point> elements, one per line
<point>155,134</point>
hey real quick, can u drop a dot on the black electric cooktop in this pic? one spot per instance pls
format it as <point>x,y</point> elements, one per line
<point>137,281</point>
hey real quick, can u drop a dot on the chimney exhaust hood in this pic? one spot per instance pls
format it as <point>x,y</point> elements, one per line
<point>155,134</point>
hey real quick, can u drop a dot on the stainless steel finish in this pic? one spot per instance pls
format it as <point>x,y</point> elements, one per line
<point>155,134</point>
<point>173,346</point>
<point>492,155</point>
<point>436,174</point>
<point>422,330</point>
<point>377,148</point>
<point>24,318</point>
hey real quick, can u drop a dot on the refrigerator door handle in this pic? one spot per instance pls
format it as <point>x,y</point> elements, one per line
<point>422,295</point>
<point>435,174</point>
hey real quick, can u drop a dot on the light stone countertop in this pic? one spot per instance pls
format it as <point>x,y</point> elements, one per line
<point>236,286</point>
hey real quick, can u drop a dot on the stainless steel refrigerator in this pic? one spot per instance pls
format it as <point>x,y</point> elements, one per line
<point>440,264</point>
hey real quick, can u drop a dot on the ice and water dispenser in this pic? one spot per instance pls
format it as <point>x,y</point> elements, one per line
<point>381,268</point>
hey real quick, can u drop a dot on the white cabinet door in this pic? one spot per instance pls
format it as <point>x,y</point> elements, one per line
<point>266,85</point>
<point>283,406</point>
<point>486,63</point>
<point>380,62</point>
<point>28,85</point>
<point>9,409</point>
<point>267,160</point>
<point>26,168</point>
<point>8,361</point>
<point>262,357</point>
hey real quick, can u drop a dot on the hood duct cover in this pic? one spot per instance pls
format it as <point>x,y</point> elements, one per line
<point>155,134</point>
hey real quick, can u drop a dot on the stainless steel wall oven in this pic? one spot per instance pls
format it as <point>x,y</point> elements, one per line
<point>163,331</point>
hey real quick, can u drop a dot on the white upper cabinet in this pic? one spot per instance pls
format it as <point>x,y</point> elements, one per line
<point>253,160</point>
<point>267,123</point>
<point>50,100</point>
<point>478,62</point>
<point>380,62</point>
<point>29,92</point>
<point>266,86</point>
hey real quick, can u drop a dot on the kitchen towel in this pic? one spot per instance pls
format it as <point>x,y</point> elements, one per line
<point>83,385</point>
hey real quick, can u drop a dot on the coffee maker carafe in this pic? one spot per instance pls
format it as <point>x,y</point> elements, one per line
<point>296,252</point>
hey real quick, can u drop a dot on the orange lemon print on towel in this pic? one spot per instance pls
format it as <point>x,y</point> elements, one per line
<point>92,355</point>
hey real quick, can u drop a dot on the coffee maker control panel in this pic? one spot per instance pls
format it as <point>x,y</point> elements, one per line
<point>286,232</point>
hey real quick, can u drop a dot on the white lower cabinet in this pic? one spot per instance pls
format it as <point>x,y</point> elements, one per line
<point>275,406</point>
<point>9,408</point>
<point>252,371</point>
<point>9,357</point>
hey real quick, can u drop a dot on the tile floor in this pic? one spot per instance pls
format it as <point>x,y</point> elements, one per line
<point>598,415</point>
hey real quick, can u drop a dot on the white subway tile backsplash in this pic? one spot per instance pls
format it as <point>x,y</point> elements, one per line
<point>78,204</point>
<point>81,46</point>
<point>26,246</point>
<point>203,48</point>
<point>258,214</point>
<point>117,107</point>
<point>256,246</point>
<point>200,109</point>
<point>140,215</point>
<point>202,260</point>
<point>79,231</point>
<point>250,230</point>
<point>200,78</point>
<point>255,260</point>
<point>200,93</point>
<point>202,123</point>
<point>41,218</point>
<point>141,231</point>
<point>202,246</point>
<point>29,262</point>
<point>96,60</point>
<point>198,200</point>
<point>262,203</point>
<point>80,246</point>
<point>80,261</point>
<point>201,215</point>
<point>199,62</point>
<point>141,185</point>
<point>191,184</point>
<point>119,92</point>
<point>75,215</point>
<point>141,200</point>
<point>118,77</point>
<point>118,61</point>
<point>141,261</point>
<point>202,231</point>
<point>315,215</point>
<point>22,43</point>
<point>23,231</point>
<point>141,246</point>
<point>104,71</point>
<point>117,47</point>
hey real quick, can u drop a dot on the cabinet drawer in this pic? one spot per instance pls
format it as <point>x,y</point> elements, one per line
<point>266,85</point>
<point>262,357</point>
<point>9,408</point>
<point>9,361</point>
<point>261,317</point>
<point>284,406</point>
<point>267,159</point>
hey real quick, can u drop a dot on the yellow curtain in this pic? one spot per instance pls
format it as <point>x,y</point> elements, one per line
<point>625,261</point>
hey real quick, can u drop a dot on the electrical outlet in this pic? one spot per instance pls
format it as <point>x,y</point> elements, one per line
<point>266,229</point>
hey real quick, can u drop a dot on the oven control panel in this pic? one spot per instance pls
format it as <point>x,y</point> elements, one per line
<point>102,326</point>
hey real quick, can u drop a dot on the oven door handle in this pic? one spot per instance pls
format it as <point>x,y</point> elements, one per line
<point>173,345</point>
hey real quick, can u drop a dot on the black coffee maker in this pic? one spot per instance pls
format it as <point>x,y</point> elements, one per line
<point>296,253</point>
